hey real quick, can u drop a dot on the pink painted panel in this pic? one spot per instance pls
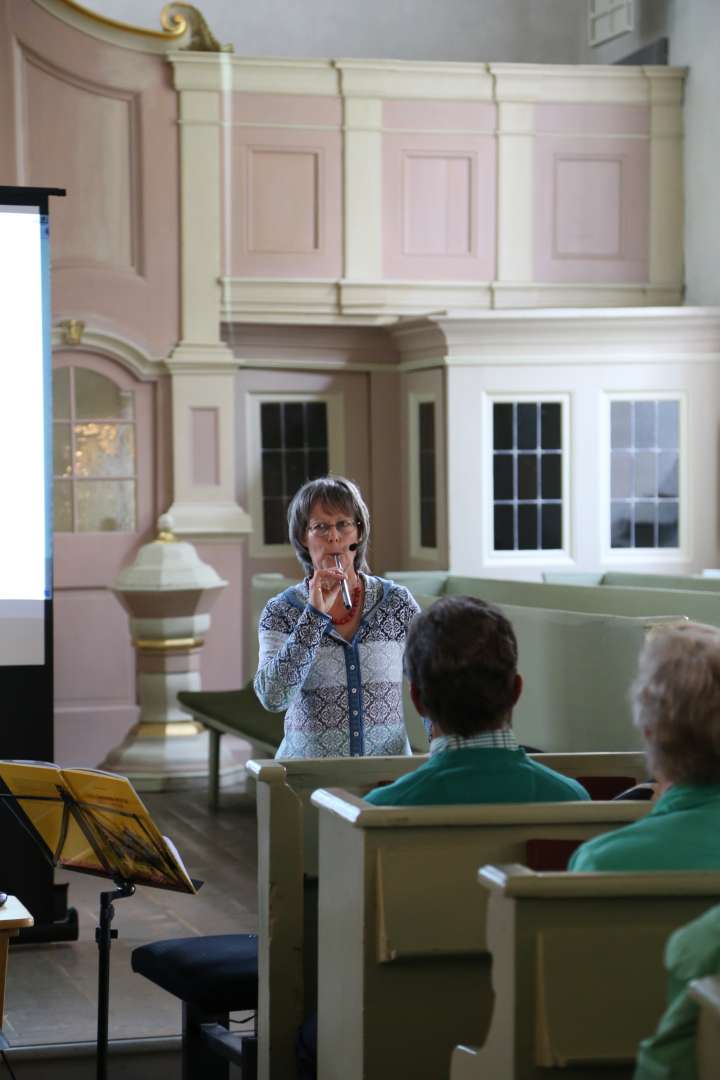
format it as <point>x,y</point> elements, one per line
<point>284,109</point>
<point>85,736</point>
<point>205,427</point>
<point>94,660</point>
<point>101,121</point>
<point>284,201</point>
<point>221,655</point>
<point>592,119</point>
<point>443,116</point>
<point>591,210</point>
<point>439,207</point>
<point>286,205</point>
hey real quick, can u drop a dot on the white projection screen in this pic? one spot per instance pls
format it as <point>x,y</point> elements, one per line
<point>25,415</point>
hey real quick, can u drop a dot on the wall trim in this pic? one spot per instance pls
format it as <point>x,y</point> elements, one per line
<point>115,347</point>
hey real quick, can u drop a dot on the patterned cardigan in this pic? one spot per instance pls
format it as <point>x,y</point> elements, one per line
<point>342,698</point>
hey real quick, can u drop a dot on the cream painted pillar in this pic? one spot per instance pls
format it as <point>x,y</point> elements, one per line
<point>362,188</point>
<point>666,182</point>
<point>515,192</point>
<point>203,368</point>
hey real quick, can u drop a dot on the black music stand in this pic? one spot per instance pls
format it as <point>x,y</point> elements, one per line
<point>101,838</point>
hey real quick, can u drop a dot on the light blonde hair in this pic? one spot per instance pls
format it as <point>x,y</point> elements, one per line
<point>676,703</point>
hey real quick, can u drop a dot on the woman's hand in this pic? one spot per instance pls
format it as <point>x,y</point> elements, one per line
<point>324,587</point>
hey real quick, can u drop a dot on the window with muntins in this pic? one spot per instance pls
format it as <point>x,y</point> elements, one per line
<point>426,471</point>
<point>527,476</point>
<point>294,447</point>
<point>94,453</point>
<point>644,474</point>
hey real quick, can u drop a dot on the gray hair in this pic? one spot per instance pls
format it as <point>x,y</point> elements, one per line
<point>332,493</point>
<point>676,703</point>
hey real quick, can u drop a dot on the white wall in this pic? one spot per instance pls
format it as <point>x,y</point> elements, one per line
<point>537,31</point>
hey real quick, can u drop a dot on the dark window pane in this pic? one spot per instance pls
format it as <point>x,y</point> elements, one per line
<point>645,478</point>
<point>275,521</point>
<point>317,464</point>
<point>621,425</point>
<point>295,471</point>
<point>527,476</point>
<point>622,474</point>
<point>551,527</point>
<point>270,425</point>
<point>668,475</point>
<point>527,528</point>
<point>503,427</point>
<point>527,414</point>
<point>551,476</point>
<point>426,411</point>
<point>503,477</point>
<point>504,531</point>
<point>427,523</point>
<point>294,417</point>
<point>621,524</point>
<point>316,424</point>
<point>668,420</point>
<point>668,525</point>
<point>272,473</point>
<point>550,429</point>
<point>644,525</point>
<point>427,476</point>
<point>645,423</point>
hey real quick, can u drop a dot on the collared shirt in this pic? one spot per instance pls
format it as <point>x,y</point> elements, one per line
<point>498,739</point>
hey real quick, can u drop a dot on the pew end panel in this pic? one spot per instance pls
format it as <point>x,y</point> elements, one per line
<point>706,992</point>
<point>563,943</point>
<point>401,934</point>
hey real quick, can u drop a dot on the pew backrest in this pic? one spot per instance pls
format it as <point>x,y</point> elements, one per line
<point>584,952</point>
<point>400,925</point>
<point>706,992</point>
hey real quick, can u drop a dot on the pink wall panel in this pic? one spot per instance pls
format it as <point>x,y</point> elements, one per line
<point>221,656</point>
<point>101,121</point>
<point>438,206</point>
<point>205,449</point>
<point>591,194</point>
<point>445,116</point>
<point>283,182</point>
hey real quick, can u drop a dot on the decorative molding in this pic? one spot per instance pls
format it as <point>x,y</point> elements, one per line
<point>415,79</point>
<point>176,34</point>
<point>196,359</point>
<point>393,298</point>
<point>586,83</point>
<point>210,519</point>
<point>561,336</point>
<point>114,347</point>
<point>255,76</point>
<point>541,295</point>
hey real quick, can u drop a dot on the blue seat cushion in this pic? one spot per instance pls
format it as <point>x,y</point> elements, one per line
<point>216,974</point>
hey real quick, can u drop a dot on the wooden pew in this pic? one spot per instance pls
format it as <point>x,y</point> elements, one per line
<point>402,958</point>
<point>577,969</point>
<point>706,992</point>
<point>288,868</point>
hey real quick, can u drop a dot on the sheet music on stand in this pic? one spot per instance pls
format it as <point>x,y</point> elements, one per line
<point>93,822</point>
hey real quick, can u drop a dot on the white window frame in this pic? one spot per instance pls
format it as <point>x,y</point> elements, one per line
<point>541,557</point>
<point>415,399</point>
<point>608,19</point>
<point>611,556</point>
<point>336,457</point>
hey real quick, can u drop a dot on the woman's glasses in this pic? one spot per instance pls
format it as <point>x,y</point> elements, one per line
<point>322,528</point>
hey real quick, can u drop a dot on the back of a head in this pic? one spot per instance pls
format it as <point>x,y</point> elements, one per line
<point>676,703</point>
<point>461,656</point>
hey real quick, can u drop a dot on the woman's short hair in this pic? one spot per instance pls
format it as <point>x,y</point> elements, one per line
<point>676,703</point>
<point>461,656</point>
<point>334,494</point>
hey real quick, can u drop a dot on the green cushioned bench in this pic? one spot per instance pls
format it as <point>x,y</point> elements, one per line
<point>232,712</point>
<point>625,578</point>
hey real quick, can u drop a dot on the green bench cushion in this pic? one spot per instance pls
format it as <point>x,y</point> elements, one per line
<point>235,711</point>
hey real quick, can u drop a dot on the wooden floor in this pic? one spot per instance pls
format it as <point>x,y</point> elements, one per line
<point>52,989</point>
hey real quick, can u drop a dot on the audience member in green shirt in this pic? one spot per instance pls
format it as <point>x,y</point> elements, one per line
<point>461,660</point>
<point>691,953</point>
<point>676,705</point>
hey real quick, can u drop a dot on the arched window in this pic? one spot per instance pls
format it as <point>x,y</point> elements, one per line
<point>94,452</point>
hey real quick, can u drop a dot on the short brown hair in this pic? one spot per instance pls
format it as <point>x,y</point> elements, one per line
<point>461,656</point>
<point>676,703</point>
<point>332,493</point>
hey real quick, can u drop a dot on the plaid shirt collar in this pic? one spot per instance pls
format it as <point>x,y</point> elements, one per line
<point>500,739</point>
